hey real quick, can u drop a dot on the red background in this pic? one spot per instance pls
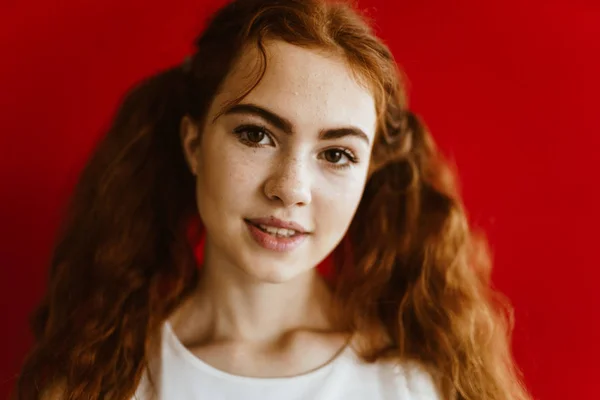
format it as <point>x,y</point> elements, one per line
<point>508,88</point>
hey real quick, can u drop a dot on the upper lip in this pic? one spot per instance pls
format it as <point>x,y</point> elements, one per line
<point>278,223</point>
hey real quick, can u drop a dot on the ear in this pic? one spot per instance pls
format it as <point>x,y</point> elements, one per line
<point>190,141</point>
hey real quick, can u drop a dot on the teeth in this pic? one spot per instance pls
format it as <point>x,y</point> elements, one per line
<point>280,232</point>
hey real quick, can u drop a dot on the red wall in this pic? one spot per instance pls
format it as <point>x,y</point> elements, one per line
<point>509,89</point>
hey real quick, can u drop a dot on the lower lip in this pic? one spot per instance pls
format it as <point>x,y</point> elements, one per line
<point>275,243</point>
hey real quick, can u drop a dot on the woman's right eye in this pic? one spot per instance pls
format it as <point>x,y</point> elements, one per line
<point>254,135</point>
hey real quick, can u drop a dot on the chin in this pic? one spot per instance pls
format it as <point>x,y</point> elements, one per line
<point>273,272</point>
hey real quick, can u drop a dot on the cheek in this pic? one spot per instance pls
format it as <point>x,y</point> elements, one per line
<point>225,176</point>
<point>338,202</point>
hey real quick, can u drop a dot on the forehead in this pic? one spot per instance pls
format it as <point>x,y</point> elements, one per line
<point>312,89</point>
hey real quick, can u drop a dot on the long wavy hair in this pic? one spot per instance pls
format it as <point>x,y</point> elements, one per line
<point>410,265</point>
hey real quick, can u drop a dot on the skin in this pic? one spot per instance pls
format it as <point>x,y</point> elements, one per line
<point>260,312</point>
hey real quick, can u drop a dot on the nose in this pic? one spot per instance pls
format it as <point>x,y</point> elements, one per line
<point>289,183</point>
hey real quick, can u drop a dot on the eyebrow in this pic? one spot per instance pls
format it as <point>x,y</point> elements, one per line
<point>287,127</point>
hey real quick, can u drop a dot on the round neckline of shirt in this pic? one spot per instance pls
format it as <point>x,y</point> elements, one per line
<point>198,363</point>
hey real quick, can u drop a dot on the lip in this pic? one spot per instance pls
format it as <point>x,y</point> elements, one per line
<point>278,223</point>
<point>276,243</point>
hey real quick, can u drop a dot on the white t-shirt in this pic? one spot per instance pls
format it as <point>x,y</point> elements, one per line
<point>183,376</point>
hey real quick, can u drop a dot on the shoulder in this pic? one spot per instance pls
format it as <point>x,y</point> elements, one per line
<point>398,378</point>
<point>417,381</point>
<point>408,380</point>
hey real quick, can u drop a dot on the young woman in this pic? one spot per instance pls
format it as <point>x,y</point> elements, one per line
<point>286,138</point>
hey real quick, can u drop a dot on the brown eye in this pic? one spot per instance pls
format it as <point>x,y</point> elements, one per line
<point>338,158</point>
<point>255,136</point>
<point>333,156</point>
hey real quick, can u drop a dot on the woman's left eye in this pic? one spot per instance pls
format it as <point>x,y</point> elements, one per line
<point>339,158</point>
<point>252,135</point>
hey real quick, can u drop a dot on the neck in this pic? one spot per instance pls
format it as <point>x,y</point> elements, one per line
<point>237,307</point>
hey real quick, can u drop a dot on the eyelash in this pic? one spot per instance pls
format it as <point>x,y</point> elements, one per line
<point>244,129</point>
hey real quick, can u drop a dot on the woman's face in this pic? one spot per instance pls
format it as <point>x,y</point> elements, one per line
<point>280,175</point>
